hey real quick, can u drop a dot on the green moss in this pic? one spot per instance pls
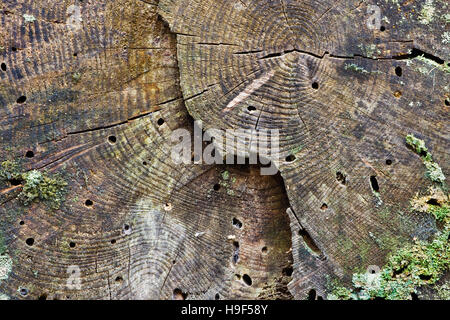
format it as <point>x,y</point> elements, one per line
<point>416,265</point>
<point>36,185</point>
<point>225,175</point>
<point>340,293</point>
<point>433,170</point>
<point>10,170</point>
<point>441,213</point>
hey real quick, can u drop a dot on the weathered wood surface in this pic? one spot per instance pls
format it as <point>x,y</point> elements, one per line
<point>105,90</point>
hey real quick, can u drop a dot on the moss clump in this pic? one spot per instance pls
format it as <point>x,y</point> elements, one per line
<point>435,203</point>
<point>41,186</point>
<point>433,170</point>
<point>412,266</point>
<point>36,185</point>
<point>420,264</point>
<point>10,170</point>
<point>441,214</point>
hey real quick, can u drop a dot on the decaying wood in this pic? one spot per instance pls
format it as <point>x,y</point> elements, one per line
<point>93,99</point>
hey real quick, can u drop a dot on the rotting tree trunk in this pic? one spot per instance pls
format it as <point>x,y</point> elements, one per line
<point>91,92</point>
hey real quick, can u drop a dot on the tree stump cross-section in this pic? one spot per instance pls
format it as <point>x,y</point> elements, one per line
<point>92,205</point>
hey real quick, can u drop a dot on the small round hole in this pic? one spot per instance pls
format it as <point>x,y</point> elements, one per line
<point>312,294</point>
<point>342,178</point>
<point>14,49</point>
<point>126,227</point>
<point>167,206</point>
<point>22,223</point>
<point>72,244</point>
<point>145,163</point>
<point>398,94</point>
<point>21,99</point>
<point>399,71</point>
<point>112,139</point>
<point>179,295</point>
<point>324,206</point>
<point>382,28</point>
<point>216,187</point>
<point>374,184</point>
<point>447,102</point>
<point>217,296</point>
<point>288,271</point>
<point>315,85</point>
<point>290,158</point>
<point>75,54</point>
<point>29,154</point>
<point>237,223</point>
<point>160,121</point>
<point>29,241</point>
<point>3,66</point>
<point>389,162</point>
<point>15,182</point>
<point>23,292</point>
<point>247,279</point>
<point>89,203</point>
<point>43,296</point>
<point>119,279</point>
<point>251,108</point>
<point>264,250</point>
<point>113,241</point>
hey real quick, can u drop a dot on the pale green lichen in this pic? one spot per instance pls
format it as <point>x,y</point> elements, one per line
<point>5,266</point>
<point>36,185</point>
<point>443,291</point>
<point>39,185</point>
<point>29,18</point>
<point>446,37</point>
<point>426,66</point>
<point>76,76</point>
<point>297,149</point>
<point>426,15</point>
<point>356,68</point>
<point>446,17</point>
<point>225,175</point>
<point>369,50</point>
<point>434,172</point>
